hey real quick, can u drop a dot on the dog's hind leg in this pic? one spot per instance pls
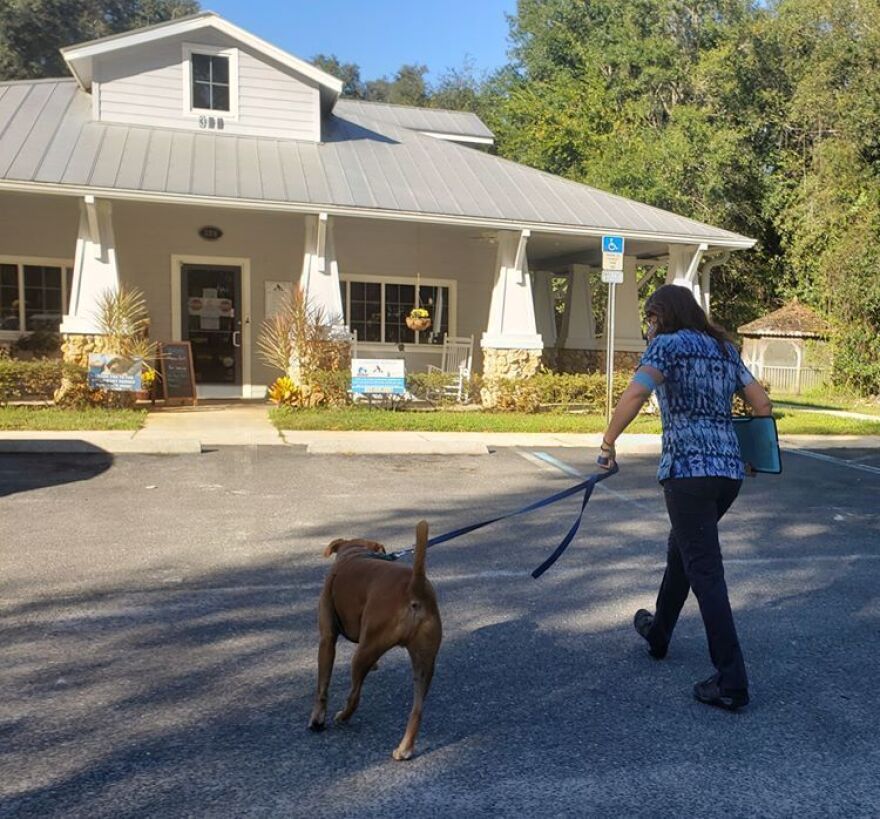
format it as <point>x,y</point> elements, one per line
<point>423,657</point>
<point>365,657</point>
<point>326,655</point>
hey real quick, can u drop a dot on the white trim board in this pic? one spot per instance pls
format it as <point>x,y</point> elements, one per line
<point>247,389</point>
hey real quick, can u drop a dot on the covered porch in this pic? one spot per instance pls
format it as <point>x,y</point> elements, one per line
<point>212,275</point>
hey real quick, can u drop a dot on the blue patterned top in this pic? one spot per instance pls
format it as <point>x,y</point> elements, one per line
<point>699,381</point>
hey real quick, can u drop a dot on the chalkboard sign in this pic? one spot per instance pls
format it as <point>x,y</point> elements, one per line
<point>178,376</point>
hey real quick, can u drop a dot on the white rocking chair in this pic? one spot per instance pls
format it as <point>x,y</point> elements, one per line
<point>456,362</point>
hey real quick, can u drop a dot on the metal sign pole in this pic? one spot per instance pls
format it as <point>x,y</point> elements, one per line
<point>609,353</point>
<point>612,274</point>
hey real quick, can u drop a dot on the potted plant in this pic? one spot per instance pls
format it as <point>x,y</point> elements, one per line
<point>148,380</point>
<point>418,319</point>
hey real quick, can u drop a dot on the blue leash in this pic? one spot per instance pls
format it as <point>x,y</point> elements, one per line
<point>586,486</point>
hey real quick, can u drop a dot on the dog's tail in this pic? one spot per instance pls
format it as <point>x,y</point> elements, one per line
<point>421,550</point>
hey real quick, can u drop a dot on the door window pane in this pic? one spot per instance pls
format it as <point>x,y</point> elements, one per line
<point>42,298</point>
<point>9,319</point>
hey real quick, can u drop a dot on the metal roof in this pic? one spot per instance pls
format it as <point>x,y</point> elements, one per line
<point>364,166</point>
<point>433,120</point>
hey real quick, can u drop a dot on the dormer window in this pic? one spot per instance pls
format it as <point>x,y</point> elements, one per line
<point>210,78</point>
<point>210,82</point>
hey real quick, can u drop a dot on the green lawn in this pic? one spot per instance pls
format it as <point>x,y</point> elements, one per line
<point>33,418</point>
<point>829,401</point>
<point>360,418</point>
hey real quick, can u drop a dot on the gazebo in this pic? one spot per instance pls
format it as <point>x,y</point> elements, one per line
<point>788,348</point>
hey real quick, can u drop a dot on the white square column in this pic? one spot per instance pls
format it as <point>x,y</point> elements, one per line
<point>579,324</point>
<point>95,270</point>
<point>545,312</point>
<point>320,272</point>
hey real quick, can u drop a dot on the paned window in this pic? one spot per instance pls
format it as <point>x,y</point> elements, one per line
<point>33,296</point>
<point>378,310</point>
<point>210,82</point>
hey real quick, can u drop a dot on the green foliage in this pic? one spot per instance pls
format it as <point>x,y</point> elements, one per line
<point>37,379</point>
<point>33,31</point>
<point>40,343</point>
<point>29,418</point>
<point>555,391</point>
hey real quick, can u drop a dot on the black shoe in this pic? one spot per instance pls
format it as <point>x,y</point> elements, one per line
<point>643,622</point>
<point>709,693</point>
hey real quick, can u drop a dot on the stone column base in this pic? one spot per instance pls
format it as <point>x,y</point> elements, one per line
<point>75,348</point>
<point>506,364</point>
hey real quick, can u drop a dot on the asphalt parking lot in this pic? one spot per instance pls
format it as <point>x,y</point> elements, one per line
<point>157,624</point>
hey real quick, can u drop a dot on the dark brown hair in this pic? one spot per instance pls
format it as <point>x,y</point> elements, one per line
<point>676,309</point>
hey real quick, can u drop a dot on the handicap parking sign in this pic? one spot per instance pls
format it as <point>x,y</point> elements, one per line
<point>612,244</point>
<point>612,252</point>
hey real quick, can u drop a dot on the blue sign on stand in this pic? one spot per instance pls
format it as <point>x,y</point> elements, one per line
<point>378,376</point>
<point>115,373</point>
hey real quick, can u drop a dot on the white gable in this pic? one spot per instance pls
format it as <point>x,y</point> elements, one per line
<point>146,77</point>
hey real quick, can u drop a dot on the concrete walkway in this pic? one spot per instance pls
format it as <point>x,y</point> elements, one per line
<point>189,430</point>
<point>859,416</point>
<point>213,425</point>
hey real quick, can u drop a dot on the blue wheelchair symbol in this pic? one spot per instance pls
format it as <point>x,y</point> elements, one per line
<point>612,244</point>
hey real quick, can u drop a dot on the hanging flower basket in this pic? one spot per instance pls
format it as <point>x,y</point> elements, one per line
<point>418,320</point>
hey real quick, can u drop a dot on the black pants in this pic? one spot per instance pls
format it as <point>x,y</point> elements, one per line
<point>693,561</point>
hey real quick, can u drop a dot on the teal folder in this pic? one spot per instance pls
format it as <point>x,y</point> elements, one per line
<point>759,443</point>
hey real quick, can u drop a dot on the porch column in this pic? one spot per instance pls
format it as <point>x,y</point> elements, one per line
<point>706,279</point>
<point>684,262</point>
<point>628,342</point>
<point>320,272</point>
<point>580,348</point>
<point>545,317</point>
<point>512,345</point>
<point>95,273</point>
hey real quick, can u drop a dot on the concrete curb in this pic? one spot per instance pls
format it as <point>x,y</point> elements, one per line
<point>82,443</point>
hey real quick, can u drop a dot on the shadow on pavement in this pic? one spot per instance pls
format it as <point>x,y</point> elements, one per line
<point>23,472</point>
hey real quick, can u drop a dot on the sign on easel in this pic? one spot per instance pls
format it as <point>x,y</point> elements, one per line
<point>612,275</point>
<point>177,373</point>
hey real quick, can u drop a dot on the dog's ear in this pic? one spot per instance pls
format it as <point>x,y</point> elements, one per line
<point>334,546</point>
<point>378,548</point>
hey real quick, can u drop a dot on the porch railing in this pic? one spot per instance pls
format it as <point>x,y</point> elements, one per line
<point>790,379</point>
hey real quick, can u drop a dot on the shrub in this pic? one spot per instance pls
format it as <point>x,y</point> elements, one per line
<point>40,343</point>
<point>323,389</point>
<point>556,391</point>
<point>37,379</point>
<point>430,386</point>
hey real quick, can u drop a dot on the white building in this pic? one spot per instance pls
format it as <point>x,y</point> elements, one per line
<point>196,161</point>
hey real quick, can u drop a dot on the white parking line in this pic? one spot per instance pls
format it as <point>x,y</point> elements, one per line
<point>570,470</point>
<point>873,470</point>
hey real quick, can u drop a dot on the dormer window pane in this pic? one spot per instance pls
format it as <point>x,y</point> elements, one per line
<point>210,87</point>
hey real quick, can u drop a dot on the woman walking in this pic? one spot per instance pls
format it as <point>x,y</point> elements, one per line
<point>696,371</point>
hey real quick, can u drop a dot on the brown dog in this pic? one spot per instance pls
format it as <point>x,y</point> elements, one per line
<point>377,604</point>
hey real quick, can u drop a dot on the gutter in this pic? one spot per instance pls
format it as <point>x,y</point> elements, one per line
<point>740,243</point>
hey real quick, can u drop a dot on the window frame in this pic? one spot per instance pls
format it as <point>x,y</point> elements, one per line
<point>188,49</point>
<point>367,278</point>
<point>21,262</point>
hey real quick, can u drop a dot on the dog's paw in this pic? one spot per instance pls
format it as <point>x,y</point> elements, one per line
<point>401,755</point>
<point>341,718</point>
<point>316,725</point>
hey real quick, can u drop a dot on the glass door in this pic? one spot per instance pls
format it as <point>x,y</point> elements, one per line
<point>211,313</point>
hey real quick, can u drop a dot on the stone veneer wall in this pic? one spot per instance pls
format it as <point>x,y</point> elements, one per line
<point>499,364</point>
<point>75,348</point>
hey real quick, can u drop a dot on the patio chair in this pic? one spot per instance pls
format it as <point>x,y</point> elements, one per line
<point>456,362</point>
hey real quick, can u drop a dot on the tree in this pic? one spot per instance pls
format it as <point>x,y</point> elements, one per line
<point>33,31</point>
<point>350,74</point>
<point>407,88</point>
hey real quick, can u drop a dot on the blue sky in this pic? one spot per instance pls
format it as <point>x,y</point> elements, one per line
<point>380,35</point>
